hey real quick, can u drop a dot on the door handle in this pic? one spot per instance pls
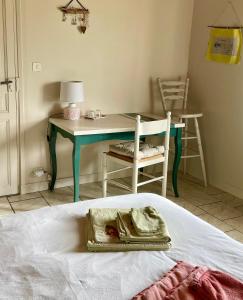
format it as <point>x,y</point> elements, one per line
<point>6,82</point>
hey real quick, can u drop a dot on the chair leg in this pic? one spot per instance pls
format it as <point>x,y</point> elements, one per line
<point>185,147</point>
<point>164,180</point>
<point>201,152</point>
<point>104,175</point>
<point>135,179</point>
<point>164,186</point>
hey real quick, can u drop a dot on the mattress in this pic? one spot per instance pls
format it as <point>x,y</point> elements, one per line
<point>43,252</point>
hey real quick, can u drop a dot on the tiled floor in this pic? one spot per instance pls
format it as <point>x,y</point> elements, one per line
<point>218,208</point>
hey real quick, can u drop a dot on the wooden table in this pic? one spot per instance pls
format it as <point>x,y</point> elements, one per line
<point>113,127</point>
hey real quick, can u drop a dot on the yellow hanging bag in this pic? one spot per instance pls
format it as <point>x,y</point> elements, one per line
<point>225,45</point>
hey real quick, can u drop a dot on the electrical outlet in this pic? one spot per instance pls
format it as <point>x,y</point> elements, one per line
<point>38,172</point>
<point>36,67</point>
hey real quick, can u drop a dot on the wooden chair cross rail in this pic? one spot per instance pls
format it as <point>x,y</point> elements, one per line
<point>174,90</point>
<point>190,156</point>
<point>189,138</point>
<point>178,89</point>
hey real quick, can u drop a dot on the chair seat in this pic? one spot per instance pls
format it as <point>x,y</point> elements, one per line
<point>145,150</point>
<point>186,114</point>
<point>130,159</point>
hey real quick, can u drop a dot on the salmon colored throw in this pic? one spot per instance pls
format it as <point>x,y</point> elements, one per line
<point>185,282</point>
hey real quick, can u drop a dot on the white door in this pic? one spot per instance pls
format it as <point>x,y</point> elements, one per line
<point>8,99</point>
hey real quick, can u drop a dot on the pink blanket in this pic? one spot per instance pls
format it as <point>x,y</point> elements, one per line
<point>185,282</point>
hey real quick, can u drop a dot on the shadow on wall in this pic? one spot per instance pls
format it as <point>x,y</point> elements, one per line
<point>51,95</point>
<point>155,105</point>
<point>51,92</point>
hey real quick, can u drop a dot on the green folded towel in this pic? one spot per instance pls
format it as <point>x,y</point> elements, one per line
<point>101,219</point>
<point>128,233</point>
<point>147,222</point>
<point>99,239</point>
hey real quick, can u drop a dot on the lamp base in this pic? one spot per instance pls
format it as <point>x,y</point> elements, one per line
<point>72,112</point>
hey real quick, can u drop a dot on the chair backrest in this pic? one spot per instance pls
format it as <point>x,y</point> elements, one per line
<point>152,128</point>
<point>171,91</point>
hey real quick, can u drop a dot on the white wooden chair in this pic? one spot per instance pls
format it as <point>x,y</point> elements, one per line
<point>174,91</point>
<point>137,159</point>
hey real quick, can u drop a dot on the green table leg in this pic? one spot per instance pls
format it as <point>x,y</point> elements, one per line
<point>76,169</point>
<point>52,148</point>
<point>177,159</point>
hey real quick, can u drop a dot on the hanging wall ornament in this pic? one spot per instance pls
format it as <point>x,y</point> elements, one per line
<point>64,17</point>
<point>83,21</point>
<point>79,15</point>
<point>225,43</point>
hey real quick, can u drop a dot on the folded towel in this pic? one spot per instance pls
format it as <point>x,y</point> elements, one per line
<point>147,221</point>
<point>102,234</point>
<point>103,220</point>
<point>128,233</point>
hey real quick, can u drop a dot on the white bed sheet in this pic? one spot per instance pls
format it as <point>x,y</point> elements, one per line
<point>43,252</point>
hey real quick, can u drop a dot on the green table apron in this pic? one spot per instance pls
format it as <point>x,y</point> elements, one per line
<point>80,140</point>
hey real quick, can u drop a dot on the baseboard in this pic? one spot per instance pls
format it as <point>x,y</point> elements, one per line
<point>224,187</point>
<point>63,182</point>
<point>44,185</point>
<point>235,191</point>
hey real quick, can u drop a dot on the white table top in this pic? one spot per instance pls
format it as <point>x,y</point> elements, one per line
<point>109,124</point>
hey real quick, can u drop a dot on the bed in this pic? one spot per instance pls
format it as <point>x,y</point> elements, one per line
<point>43,253</point>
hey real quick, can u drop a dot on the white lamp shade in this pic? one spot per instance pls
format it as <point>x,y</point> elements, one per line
<point>72,91</point>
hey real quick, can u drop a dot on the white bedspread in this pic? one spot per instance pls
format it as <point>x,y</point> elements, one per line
<point>43,252</point>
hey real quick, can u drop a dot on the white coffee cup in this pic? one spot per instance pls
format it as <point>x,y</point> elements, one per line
<point>98,113</point>
<point>91,114</point>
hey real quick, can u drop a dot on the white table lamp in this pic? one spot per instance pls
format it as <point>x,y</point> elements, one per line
<point>73,93</point>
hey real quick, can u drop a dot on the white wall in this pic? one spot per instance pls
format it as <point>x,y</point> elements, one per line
<point>128,44</point>
<point>217,90</point>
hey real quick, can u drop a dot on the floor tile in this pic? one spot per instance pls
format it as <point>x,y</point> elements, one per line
<point>236,202</point>
<point>197,190</point>
<point>155,188</point>
<point>224,197</point>
<point>90,191</point>
<point>197,211</point>
<point>236,223</point>
<point>196,195</point>
<point>236,235</point>
<point>189,178</point>
<point>216,222</point>
<point>31,204</point>
<point>24,197</point>
<point>229,199</point>
<point>172,197</point>
<point>209,190</point>
<point>58,196</point>
<point>198,198</point>
<point>115,190</point>
<point>222,211</point>
<point>5,208</point>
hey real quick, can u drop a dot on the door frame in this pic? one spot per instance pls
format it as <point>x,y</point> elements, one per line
<point>20,89</point>
<point>21,111</point>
